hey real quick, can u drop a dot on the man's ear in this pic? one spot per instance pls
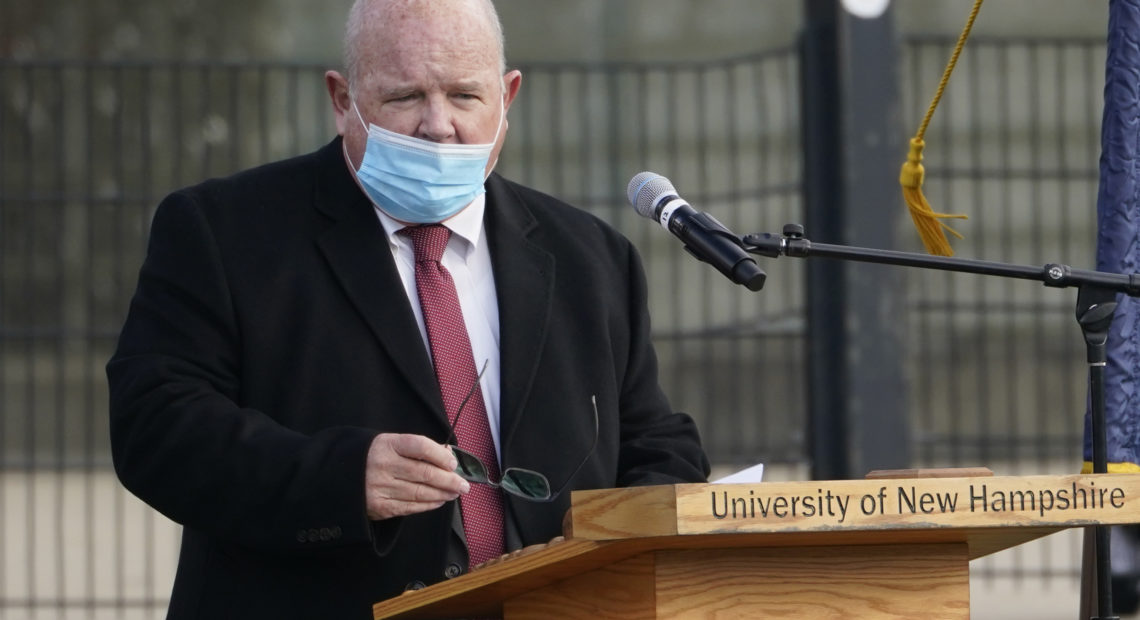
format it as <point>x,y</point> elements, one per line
<point>511,82</point>
<point>341,100</point>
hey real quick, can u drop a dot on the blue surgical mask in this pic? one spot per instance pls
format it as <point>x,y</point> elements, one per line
<point>418,181</point>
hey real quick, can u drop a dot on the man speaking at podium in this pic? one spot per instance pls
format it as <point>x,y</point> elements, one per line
<point>375,366</point>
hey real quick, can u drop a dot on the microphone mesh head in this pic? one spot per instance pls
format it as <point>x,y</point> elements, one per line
<point>646,189</point>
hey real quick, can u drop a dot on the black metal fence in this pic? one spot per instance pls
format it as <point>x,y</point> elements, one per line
<point>999,371</point>
<point>88,149</point>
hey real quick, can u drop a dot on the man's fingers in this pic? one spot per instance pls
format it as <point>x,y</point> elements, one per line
<point>420,474</point>
<point>417,490</point>
<point>407,474</point>
<point>421,448</point>
<point>414,458</point>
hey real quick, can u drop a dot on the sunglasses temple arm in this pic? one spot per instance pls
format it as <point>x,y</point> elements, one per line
<point>589,453</point>
<point>463,404</point>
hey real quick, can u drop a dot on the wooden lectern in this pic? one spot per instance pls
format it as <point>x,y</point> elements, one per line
<point>876,548</point>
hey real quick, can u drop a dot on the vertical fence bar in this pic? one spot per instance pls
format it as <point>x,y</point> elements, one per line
<point>118,207</point>
<point>31,356</point>
<point>707,343</point>
<point>981,415</point>
<point>200,126</point>
<point>765,118</point>
<point>142,192</point>
<point>233,122</point>
<point>1012,366</point>
<point>940,172</point>
<point>61,333</point>
<point>263,118</point>
<point>1035,178</point>
<point>89,409</point>
<point>736,374</point>
<point>7,81</point>
<point>584,134</point>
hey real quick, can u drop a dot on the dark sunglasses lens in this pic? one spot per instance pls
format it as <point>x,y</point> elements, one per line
<point>469,467</point>
<point>526,483</point>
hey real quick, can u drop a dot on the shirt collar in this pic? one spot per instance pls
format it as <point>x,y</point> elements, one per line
<point>467,225</point>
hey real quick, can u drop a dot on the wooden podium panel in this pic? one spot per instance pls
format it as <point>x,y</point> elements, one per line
<point>819,582</point>
<point>814,582</point>
<point>882,548</point>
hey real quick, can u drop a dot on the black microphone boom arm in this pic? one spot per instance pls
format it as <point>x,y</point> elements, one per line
<point>792,243</point>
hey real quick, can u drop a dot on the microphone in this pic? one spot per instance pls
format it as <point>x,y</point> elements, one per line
<point>654,197</point>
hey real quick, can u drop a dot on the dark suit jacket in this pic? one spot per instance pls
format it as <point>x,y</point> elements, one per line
<point>270,340</point>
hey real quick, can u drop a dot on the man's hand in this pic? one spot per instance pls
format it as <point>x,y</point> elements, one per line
<point>406,474</point>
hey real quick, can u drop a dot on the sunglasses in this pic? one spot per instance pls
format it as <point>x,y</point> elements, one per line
<point>525,483</point>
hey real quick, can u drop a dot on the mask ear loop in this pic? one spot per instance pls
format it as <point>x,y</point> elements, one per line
<point>343,146</point>
<point>357,110</point>
<point>502,119</point>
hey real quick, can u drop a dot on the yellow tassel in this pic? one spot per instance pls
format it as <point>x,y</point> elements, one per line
<point>929,223</point>
<point>1113,468</point>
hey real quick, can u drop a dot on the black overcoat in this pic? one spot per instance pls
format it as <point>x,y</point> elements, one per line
<point>270,339</point>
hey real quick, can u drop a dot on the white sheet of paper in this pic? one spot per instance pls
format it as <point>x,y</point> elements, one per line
<point>748,474</point>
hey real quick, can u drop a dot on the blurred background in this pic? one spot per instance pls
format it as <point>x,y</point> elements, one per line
<point>762,113</point>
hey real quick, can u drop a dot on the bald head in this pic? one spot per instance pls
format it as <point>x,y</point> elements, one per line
<point>371,22</point>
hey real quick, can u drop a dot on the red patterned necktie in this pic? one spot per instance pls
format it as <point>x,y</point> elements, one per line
<point>454,362</point>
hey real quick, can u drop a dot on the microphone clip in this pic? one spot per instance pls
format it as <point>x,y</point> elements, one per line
<point>736,266</point>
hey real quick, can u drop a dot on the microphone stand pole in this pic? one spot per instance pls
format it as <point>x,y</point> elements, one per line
<point>1096,302</point>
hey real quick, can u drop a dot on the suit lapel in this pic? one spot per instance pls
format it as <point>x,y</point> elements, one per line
<point>357,252</point>
<point>524,279</point>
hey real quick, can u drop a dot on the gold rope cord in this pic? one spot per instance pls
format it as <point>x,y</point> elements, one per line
<point>929,223</point>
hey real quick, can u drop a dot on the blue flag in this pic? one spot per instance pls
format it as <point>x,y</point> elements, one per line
<point>1118,236</point>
